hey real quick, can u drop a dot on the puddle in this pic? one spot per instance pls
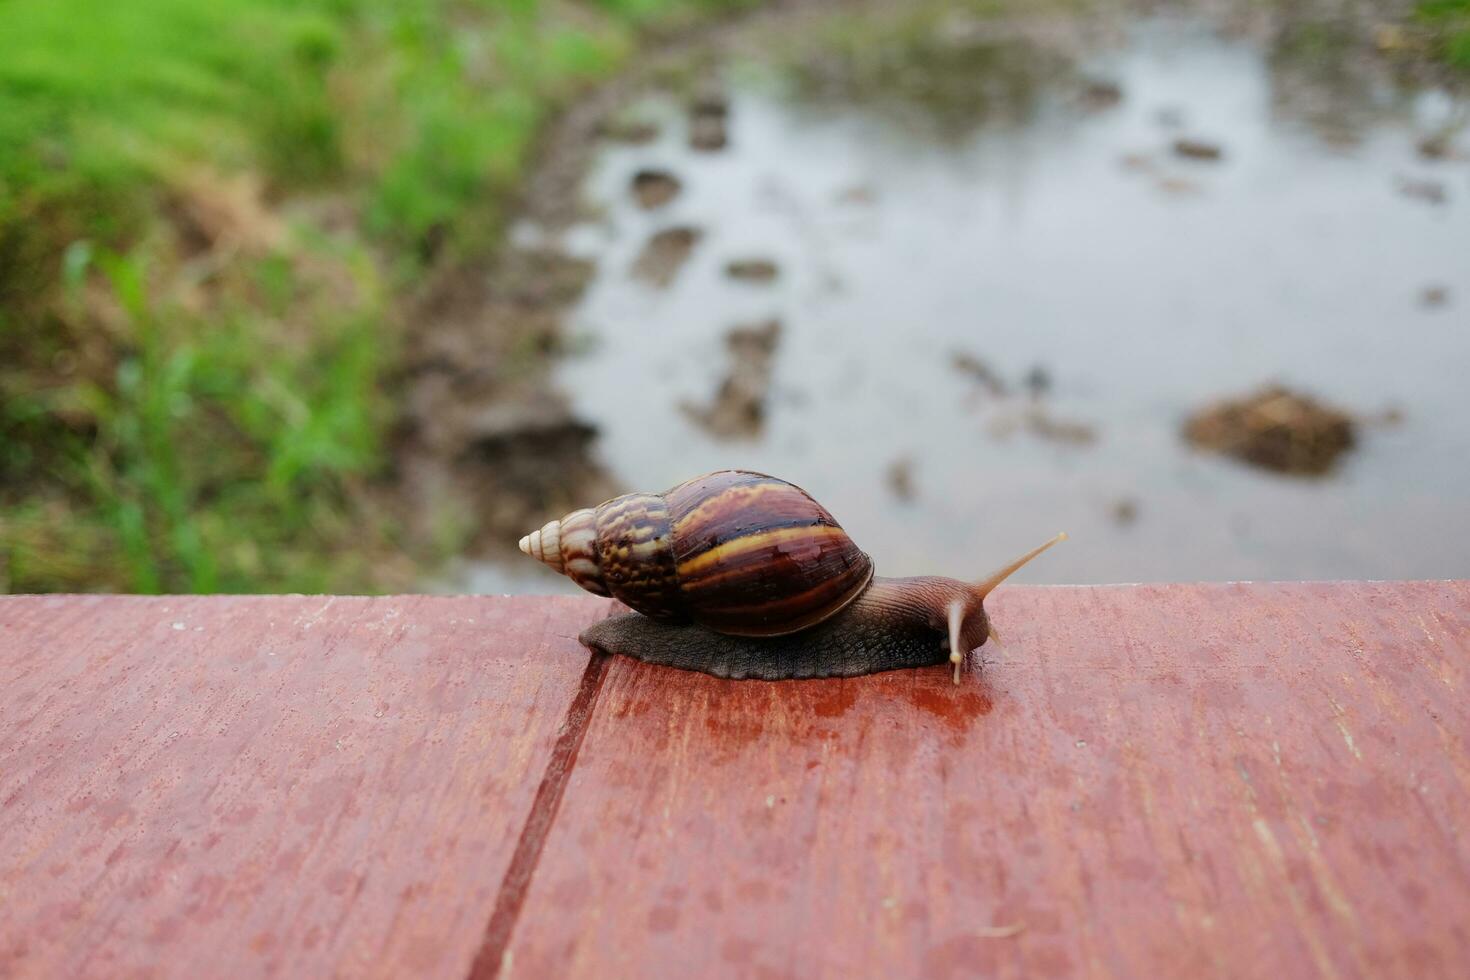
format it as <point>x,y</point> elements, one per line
<point>993,332</point>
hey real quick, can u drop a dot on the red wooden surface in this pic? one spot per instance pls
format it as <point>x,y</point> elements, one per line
<point>203,786</point>
<point>1175,780</point>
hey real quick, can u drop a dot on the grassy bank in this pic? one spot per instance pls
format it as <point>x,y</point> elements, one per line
<point>1449,21</point>
<point>210,215</point>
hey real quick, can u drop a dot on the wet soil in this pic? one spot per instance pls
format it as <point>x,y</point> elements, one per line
<point>511,441</point>
<point>738,409</point>
<point>486,444</point>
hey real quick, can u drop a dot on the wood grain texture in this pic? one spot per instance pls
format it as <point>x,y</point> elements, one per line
<point>1243,781</point>
<point>296,786</point>
<point>1219,780</point>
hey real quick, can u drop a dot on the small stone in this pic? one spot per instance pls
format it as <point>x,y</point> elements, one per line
<point>1433,297</point>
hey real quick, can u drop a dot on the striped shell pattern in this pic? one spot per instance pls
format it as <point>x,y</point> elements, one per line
<point>738,552</point>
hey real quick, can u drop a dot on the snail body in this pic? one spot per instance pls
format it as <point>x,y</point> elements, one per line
<point>743,575</point>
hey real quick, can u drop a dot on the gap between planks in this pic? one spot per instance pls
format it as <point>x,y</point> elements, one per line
<point>517,881</point>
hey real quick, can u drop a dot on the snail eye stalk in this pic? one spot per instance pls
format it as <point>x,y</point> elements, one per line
<point>956,623</point>
<point>984,588</point>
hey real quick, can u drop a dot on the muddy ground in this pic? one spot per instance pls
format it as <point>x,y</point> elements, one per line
<point>489,448</point>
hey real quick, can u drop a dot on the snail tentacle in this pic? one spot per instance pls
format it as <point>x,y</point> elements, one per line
<point>956,615</point>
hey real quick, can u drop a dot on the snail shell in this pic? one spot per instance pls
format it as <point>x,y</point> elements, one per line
<point>736,552</point>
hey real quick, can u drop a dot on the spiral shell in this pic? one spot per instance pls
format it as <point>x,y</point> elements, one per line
<point>738,552</point>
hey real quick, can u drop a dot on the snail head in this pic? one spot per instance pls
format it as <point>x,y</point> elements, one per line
<point>969,624</point>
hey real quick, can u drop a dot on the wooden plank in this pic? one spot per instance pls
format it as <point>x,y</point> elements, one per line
<point>1231,780</point>
<point>270,785</point>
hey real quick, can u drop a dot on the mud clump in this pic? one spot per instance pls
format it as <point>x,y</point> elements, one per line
<point>654,188</point>
<point>1100,94</point>
<point>1043,424</point>
<point>1038,381</point>
<point>665,254</point>
<point>1433,297</point>
<point>485,447</point>
<point>1437,146</point>
<point>1275,429</point>
<point>1177,186</point>
<point>979,371</point>
<point>710,102</point>
<point>709,118</point>
<point>519,456</point>
<point>752,270</point>
<point>1197,149</point>
<point>1428,191</point>
<point>900,478</point>
<point>633,132</point>
<point>1039,421</point>
<point>1027,414</point>
<point>707,134</point>
<point>738,409</point>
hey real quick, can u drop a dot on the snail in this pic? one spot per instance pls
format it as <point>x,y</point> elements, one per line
<point>743,575</point>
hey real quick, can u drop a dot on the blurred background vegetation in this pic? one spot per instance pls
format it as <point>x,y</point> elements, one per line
<point>209,216</point>
<point>213,217</point>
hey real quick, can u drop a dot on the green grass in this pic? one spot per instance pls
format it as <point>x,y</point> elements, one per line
<point>187,415</point>
<point>1450,22</point>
